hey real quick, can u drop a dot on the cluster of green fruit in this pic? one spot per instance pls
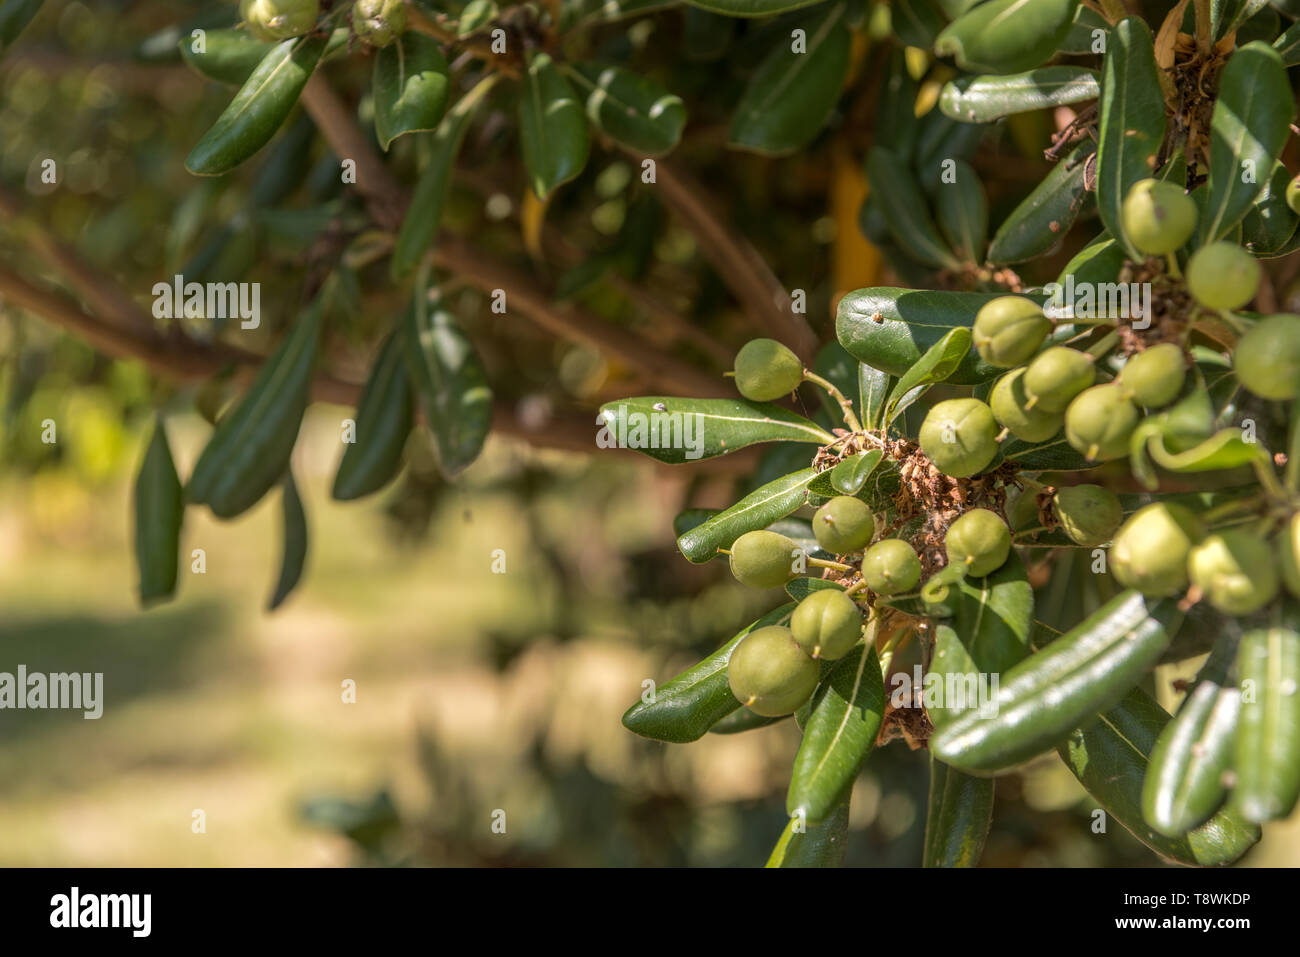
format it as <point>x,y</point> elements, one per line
<point>377,22</point>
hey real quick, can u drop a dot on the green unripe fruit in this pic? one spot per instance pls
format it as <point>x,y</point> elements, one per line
<point>1010,405</point>
<point>890,567</point>
<point>980,541</point>
<point>959,436</point>
<point>274,20</point>
<point>1154,378</point>
<point>763,559</point>
<point>1056,376</point>
<point>1157,217</point>
<point>1008,330</point>
<point>1223,276</point>
<point>767,370</point>
<point>770,674</point>
<point>1267,358</point>
<point>1089,514</point>
<point>379,22</point>
<point>1150,551</point>
<point>1235,571</point>
<point>827,624</point>
<point>1100,421</point>
<point>1288,555</point>
<point>1293,195</point>
<point>844,524</point>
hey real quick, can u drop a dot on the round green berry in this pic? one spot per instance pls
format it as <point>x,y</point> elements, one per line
<point>770,674</point>
<point>1157,217</point>
<point>1223,276</point>
<point>763,559</point>
<point>1267,358</point>
<point>1153,378</point>
<point>1100,421</point>
<point>1011,407</point>
<point>1235,571</point>
<point>1056,376</point>
<point>1293,195</point>
<point>1008,330</point>
<point>1150,550</point>
<point>1089,514</point>
<point>959,436</point>
<point>379,22</point>
<point>827,624</point>
<point>979,541</point>
<point>844,524</point>
<point>767,370</point>
<point>275,20</point>
<point>891,567</point>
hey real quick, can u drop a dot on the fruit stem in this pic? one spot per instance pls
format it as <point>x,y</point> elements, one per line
<point>823,563</point>
<point>1103,345</point>
<point>1171,264</point>
<point>1236,323</point>
<point>846,407</point>
<point>1263,466</point>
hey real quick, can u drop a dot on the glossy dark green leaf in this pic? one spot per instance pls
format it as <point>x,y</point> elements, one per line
<point>15,15</point>
<point>1250,125</point>
<point>915,22</point>
<point>1228,15</point>
<point>678,430</point>
<point>962,211</point>
<point>686,707</point>
<point>552,127</point>
<point>896,105</point>
<point>848,477</point>
<point>1098,262</point>
<point>450,383</point>
<point>983,99</point>
<point>250,448</point>
<point>874,386</point>
<point>1288,45</point>
<point>942,138</point>
<point>906,211</point>
<point>937,364</point>
<point>228,56</point>
<point>409,84</point>
<point>384,418</point>
<point>1270,223</point>
<point>958,816</point>
<point>801,588</point>
<point>1132,123</point>
<point>1007,36</point>
<point>632,110</point>
<point>259,108</point>
<point>742,720</point>
<point>159,508</point>
<point>1267,746</point>
<point>294,553</point>
<point>1044,216</point>
<point>1054,455</point>
<point>759,509</point>
<point>1088,34</point>
<point>814,845</point>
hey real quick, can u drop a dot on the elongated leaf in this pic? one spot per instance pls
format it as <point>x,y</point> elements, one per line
<point>678,430</point>
<point>916,22</point>
<point>742,720</point>
<point>983,99</point>
<point>759,509</point>
<point>1132,121</point>
<point>1288,45</point>
<point>1270,223</point>
<point>906,212</point>
<point>1251,120</point>
<point>751,8</point>
<point>385,415</point>
<point>959,813</point>
<point>409,84</point>
<point>632,110</point>
<point>1044,216</point>
<point>686,707</point>
<point>848,477</point>
<point>259,108</point>
<point>962,210</point>
<point>14,17</point>
<point>801,588</point>
<point>476,15</point>
<point>450,384</point>
<point>939,362</point>
<point>896,104</point>
<point>1088,34</point>
<point>552,127</point>
<point>1267,745</point>
<point>814,845</point>
<point>294,555</point>
<point>874,386</point>
<point>159,508</point>
<point>228,56</point>
<point>1007,36</point>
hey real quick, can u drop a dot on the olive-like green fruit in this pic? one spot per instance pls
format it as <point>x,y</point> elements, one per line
<point>959,436</point>
<point>1008,330</point>
<point>844,524</point>
<point>1235,571</point>
<point>1089,514</point>
<point>1288,555</point>
<point>891,567</point>
<point>1223,276</point>
<point>379,22</point>
<point>827,624</point>
<point>763,559</point>
<point>1010,405</point>
<point>1267,358</point>
<point>274,20</point>
<point>767,370</point>
<point>1150,550</point>
<point>770,674</point>
<point>1293,195</point>
<point>1153,378</point>
<point>1157,217</point>
<point>978,540</point>
<point>1056,376</point>
<point>1100,421</point>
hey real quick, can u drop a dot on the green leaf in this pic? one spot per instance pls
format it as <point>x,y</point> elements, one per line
<point>1007,36</point>
<point>1132,123</point>
<point>983,99</point>
<point>874,386</point>
<point>939,362</point>
<point>294,555</point>
<point>385,415</point>
<point>751,8</point>
<point>848,477</point>
<point>450,383</point>
<point>1044,216</point>
<point>15,15</point>
<point>1249,127</point>
<point>677,430</point>
<point>1270,223</point>
<point>228,56</point>
<point>915,22</point>
<point>816,845</point>
<point>1088,29</point>
<point>742,720</point>
<point>790,96</point>
<point>963,213</point>
<point>476,15</point>
<point>759,509</point>
<point>552,127</point>
<point>409,84</point>
<point>632,110</point>
<point>1267,752</point>
<point>1054,455</point>
<point>259,108</point>
<point>420,225</point>
<point>896,103</point>
<point>905,209</point>
<point>686,707</point>
<point>1288,45</point>
<point>159,508</point>
<point>959,814</point>
<point>801,588</point>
